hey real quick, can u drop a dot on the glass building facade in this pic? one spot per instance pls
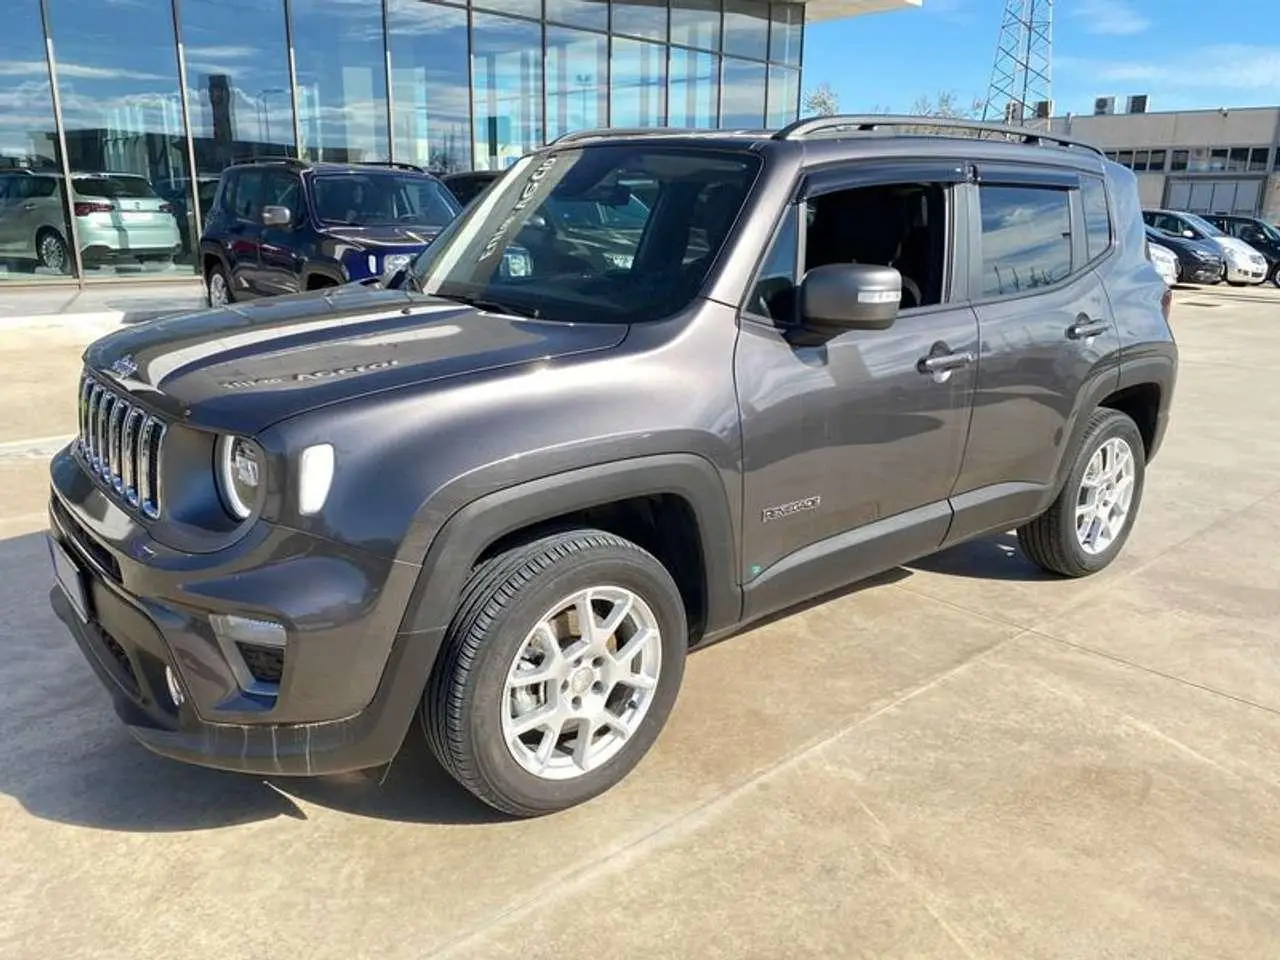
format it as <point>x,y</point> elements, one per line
<point>117,116</point>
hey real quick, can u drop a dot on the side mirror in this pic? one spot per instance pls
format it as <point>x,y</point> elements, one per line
<point>1189,234</point>
<point>850,296</point>
<point>273,216</point>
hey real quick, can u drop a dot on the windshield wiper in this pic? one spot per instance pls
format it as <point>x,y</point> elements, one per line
<point>492,306</point>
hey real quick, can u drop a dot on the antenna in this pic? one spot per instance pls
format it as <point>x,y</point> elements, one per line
<point>1020,92</point>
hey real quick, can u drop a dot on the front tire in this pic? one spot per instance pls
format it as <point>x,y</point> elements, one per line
<point>217,288</point>
<point>558,671</point>
<point>1087,525</point>
<point>1275,275</point>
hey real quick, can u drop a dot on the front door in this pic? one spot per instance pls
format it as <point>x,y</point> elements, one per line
<point>851,445</point>
<point>244,233</point>
<point>281,267</point>
<point>1049,341</point>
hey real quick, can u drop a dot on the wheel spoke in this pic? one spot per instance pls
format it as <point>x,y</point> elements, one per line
<point>634,646</point>
<point>588,629</point>
<point>582,744</point>
<point>638,681</point>
<point>547,715</point>
<point>550,737</point>
<point>539,674</point>
<point>616,725</point>
<point>621,609</point>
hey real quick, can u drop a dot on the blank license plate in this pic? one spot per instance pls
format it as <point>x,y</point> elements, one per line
<point>132,216</point>
<point>70,579</point>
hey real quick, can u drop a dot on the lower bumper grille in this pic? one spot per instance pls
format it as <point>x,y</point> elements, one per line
<point>121,658</point>
<point>265,663</point>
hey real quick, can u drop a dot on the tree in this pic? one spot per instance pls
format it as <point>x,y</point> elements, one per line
<point>947,107</point>
<point>821,101</point>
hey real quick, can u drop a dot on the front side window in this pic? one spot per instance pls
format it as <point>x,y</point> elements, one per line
<point>379,199</point>
<point>1026,238</point>
<point>601,234</point>
<point>1097,221</point>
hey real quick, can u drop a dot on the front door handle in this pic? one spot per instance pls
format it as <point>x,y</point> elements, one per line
<point>943,362</point>
<point>1084,328</point>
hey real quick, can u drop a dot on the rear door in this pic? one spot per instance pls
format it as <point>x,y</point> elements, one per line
<point>1048,337</point>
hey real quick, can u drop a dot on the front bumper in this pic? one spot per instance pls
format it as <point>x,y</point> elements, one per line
<point>351,680</point>
<point>1202,271</point>
<point>1246,274</point>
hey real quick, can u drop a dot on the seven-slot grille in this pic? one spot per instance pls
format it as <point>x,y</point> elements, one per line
<point>120,443</point>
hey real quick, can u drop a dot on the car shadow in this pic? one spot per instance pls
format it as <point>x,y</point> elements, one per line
<point>988,558</point>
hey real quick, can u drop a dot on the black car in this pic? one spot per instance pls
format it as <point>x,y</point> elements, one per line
<point>502,506</point>
<point>466,185</point>
<point>1257,233</point>
<point>1197,262</point>
<point>280,225</point>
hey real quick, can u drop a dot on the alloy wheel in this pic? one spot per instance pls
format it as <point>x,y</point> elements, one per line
<point>1105,496</point>
<point>581,683</point>
<point>53,252</point>
<point>219,296</point>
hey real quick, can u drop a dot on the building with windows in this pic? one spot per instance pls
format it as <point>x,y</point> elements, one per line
<point>1204,161</point>
<point>141,104</point>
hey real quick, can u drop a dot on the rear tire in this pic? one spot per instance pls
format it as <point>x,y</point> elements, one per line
<point>532,747</point>
<point>1087,525</point>
<point>51,251</point>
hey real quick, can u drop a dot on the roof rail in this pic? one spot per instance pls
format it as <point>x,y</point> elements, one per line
<point>868,123</point>
<point>291,161</point>
<point>619,132</point>
<point>392,164</point>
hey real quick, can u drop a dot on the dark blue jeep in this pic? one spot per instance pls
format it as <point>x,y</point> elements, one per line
<point>279,225</point>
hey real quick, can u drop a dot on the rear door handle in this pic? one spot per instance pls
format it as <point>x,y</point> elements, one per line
<point>941,363</point>
<point>1084,328</point>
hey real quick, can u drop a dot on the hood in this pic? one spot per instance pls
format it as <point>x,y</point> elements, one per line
<point>1182,244</point>
<point>243,368</point>
<point>389,235</point>
<point>1236,245</point>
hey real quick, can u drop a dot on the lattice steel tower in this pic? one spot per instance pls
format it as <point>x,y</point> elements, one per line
<point>1021,77</point>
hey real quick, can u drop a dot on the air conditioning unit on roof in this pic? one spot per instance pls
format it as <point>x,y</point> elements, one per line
<point>1104,106</point>
<point>1137,104</point>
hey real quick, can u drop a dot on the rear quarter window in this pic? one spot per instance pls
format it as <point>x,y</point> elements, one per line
<point>1097,216</point>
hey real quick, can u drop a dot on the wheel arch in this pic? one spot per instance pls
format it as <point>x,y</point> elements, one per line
<point>673,505</point>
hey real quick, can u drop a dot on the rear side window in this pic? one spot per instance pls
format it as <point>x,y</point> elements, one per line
<point>1097,219</point>
<point>1026,238</point>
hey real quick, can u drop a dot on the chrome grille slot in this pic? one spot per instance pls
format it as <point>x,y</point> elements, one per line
<point>120,444</point>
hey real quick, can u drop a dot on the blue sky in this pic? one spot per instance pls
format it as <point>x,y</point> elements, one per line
<point>1183,53</point>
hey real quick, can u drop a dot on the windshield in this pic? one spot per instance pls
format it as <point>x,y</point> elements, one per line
<point>1204,226</point>
<point>374,199</point>
<point>566,235</point>
<point>1268,231</point>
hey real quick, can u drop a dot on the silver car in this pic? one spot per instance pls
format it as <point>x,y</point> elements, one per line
<point>119,218</point>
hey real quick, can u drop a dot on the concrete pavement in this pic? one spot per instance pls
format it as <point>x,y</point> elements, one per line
<point>959,759</point>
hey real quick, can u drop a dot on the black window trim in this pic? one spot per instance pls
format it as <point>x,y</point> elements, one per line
<point>838,175</point>
<point>1052,181</point>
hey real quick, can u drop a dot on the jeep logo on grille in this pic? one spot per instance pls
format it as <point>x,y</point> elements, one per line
<point>124,367</point>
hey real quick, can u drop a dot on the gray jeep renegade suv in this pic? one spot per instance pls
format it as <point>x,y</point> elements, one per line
<point>507,489</point>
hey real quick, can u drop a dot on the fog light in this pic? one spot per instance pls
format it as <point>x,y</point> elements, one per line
<point>175,689</point>
<point>235,629</point>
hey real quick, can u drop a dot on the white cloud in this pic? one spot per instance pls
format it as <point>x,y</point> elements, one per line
<point>1222,67</point>
<point>1114,18</point>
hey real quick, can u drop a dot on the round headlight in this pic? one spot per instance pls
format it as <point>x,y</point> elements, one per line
<point>239,468</point>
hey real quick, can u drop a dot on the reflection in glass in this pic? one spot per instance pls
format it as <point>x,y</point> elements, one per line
<point>696,23</point>
<point>744,95</point>
<point>237,92</point>
<point>506,61</point>
<point>123,114</point>
<point>786,33</point>
<point>746,28</point>
<point>342,80</point>
<point>592,14</point>
<point>35,238</point>
<point>1026,238</point>
<point>694,89</point>
<point>577,80</point>
<point>784,96</point>
<point>639,84</point>
<point>517,8</point>
<point>646,19</point>
<point>432,110</point>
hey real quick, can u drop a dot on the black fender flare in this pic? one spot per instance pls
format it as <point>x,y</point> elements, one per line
<point>310,270</point>
<point>470,530</point>
<point>207,250</point>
